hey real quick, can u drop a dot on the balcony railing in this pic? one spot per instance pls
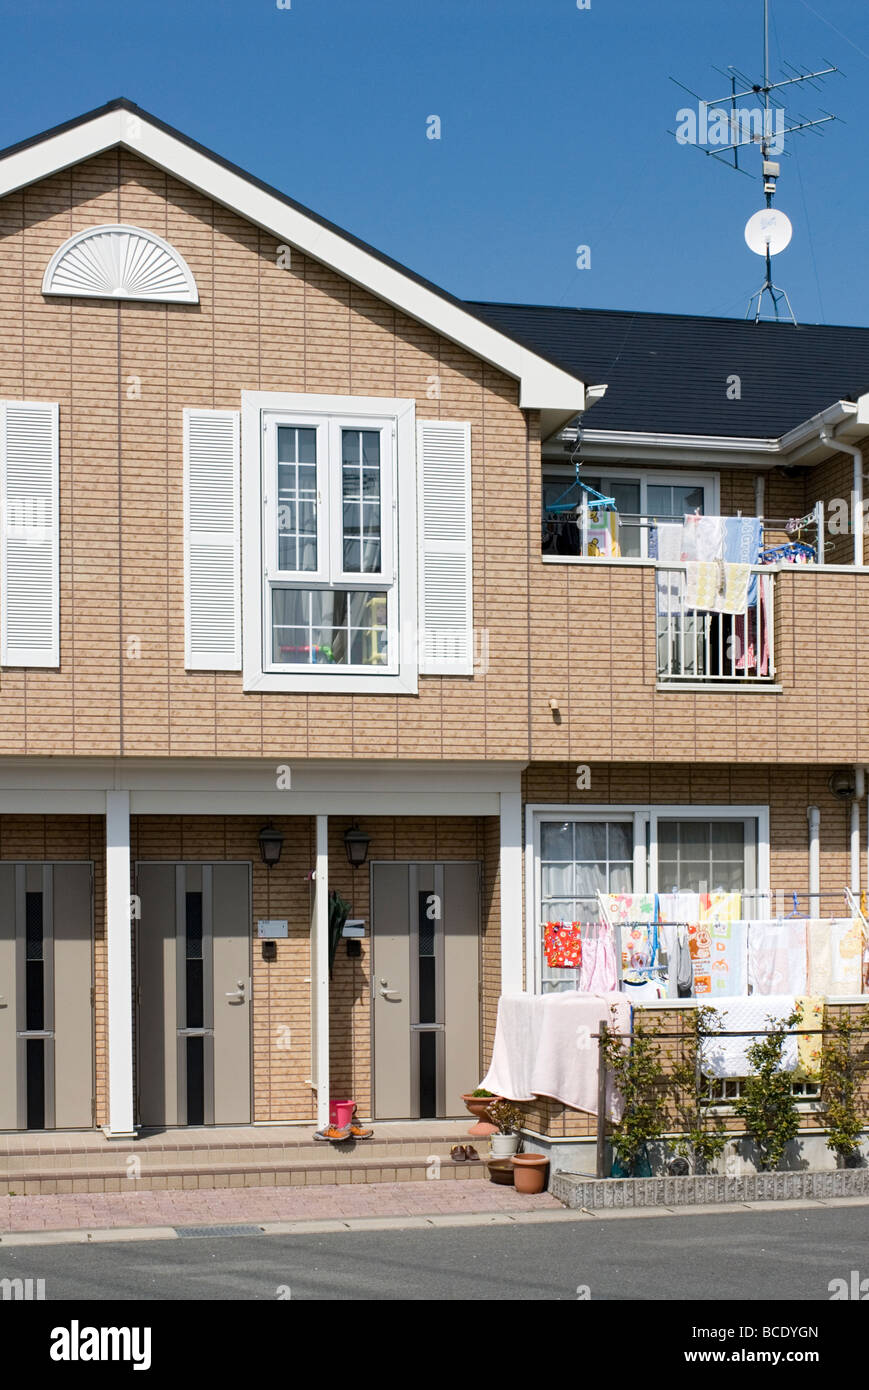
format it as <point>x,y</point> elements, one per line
<point>694,645</point>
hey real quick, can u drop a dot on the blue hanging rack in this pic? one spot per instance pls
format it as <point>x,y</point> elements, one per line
<point>600,501</point>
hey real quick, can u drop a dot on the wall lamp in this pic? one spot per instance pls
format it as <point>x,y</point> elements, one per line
<point>842,784</point>
<point>271,842</point>
<point>356,844</point>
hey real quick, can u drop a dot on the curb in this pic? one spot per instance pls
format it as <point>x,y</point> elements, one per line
<point>595,1194</point>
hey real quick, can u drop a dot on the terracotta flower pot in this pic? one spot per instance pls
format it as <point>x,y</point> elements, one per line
<point>501,1171</point>
<point>477,1106</point>
<point>529,1172</point>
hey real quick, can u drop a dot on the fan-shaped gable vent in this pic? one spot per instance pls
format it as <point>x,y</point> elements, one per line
<point>118,262</point>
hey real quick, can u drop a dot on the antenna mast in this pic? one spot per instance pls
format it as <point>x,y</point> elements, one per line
<point>724,124</point>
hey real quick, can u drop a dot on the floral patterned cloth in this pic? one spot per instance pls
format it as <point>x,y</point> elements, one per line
<point>809,1046</point>
<point>562,945</point>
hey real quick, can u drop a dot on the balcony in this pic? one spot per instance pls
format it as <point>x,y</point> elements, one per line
<point>714,648</point>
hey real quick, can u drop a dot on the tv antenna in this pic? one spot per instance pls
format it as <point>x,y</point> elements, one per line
<point>723,126</point>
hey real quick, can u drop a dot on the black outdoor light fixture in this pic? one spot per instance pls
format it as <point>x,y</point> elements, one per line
<point>356,843</point>
<point>842,783</point>
<point>271,842</point>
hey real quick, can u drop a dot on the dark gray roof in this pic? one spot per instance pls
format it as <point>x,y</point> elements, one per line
<point>667,373</point>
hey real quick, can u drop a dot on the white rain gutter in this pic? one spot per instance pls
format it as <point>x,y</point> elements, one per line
<point>859,793</point>
<point>814,817</point>
<point>828,437</point>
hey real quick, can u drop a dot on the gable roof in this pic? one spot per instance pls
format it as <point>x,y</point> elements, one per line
<point>543,384</point>
<point>668,373</point>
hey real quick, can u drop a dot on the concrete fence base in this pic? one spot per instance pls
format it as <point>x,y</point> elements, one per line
<point>595,1193</point>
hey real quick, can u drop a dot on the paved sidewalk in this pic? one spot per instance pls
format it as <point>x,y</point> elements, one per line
<point>252,1205</point>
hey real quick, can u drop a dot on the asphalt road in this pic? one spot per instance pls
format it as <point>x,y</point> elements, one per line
<point>789,1255</point>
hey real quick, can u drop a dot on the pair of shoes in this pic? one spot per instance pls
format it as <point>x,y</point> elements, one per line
<point>332,1134</point>
<point>464,1153</point>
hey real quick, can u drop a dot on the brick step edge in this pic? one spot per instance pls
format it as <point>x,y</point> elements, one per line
<point>576,1191</point>
<point>224,1175</point>
<point>109,1162</point>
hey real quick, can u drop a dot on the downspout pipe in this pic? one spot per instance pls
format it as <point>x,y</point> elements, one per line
<point>814,816</point>
<point>859,792</point>
<point>828,437</point>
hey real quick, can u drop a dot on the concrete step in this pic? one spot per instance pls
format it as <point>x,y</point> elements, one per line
<point>44,1178</point>
<point>113,1159</point>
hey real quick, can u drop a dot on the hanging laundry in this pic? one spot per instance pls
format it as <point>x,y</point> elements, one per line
<point>716,587</point>
<point>669,583</point>
<point>703,538</point>
<point>546,1045</point>
<point>728,1057</point>
<point>743,538</point>
<point>641,988</point>
<point>720,907</point>
<point>777,957</point>
<point>599,972</point>
<point>728,957</point>
<point>629,907</point>
<point>809,1044</point>
<point>562,945</point>
<point>639,942</point>
<point>753,646</point>
<point>835,950</point>
<point>700,947</point>
<point>679,907</point>
<point>603,533</point>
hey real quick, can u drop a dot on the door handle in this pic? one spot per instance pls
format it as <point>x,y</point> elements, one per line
<point>236,996</point>
<point>390,994</point>
<point>3,1004</point>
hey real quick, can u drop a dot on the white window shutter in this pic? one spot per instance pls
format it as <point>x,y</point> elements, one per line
<point>29,534</point>
<point>445,543</point>
<point>212,548</point>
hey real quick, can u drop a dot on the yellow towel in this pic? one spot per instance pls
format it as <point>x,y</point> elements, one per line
<point>811,1007</point>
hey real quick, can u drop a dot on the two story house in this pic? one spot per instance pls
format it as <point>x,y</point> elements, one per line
<point>307,611</point>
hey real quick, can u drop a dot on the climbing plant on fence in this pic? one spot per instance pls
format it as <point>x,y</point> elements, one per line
<point>767,1105</point>
<point>704,1134</point>
<point>844,1066</point>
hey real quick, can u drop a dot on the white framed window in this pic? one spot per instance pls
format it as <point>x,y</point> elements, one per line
<point>574,852</point>
<point>642,497</point>
<point>329,543</point>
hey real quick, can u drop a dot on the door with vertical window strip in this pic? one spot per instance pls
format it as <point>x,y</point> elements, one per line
<point>29,534</point>
<point>212,541</point>
<point>445,543</point>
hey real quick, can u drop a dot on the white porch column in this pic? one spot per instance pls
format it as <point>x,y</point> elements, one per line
<point>120,966</point>
<point>511,894</point>
<point>320,973</point>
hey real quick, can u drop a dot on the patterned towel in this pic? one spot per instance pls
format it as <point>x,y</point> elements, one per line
<point>809,1046</point>
<point>835,956</point>
<point>777,957</point>
<point>729,1056</point>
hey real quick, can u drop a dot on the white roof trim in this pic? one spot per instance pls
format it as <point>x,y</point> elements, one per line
<point>542,385</point>
<point>117,261</point>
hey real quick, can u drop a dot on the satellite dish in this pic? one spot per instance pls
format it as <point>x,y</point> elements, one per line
<point>768,232</point>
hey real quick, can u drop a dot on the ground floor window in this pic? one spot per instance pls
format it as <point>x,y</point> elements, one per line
<point>577,854</point>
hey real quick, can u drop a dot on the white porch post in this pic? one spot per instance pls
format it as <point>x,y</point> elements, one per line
<point>511,893</point>
<point>320,982</point>
<point>120,967</point>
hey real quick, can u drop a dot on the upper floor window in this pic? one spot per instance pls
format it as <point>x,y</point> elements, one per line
<point>329,542</point>
<point>332,483</point>
<point>644,498</point>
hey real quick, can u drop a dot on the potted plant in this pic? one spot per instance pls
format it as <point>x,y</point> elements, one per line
<point>477,1102</point>
<point>508,1119</point>
<point>529,1172</point>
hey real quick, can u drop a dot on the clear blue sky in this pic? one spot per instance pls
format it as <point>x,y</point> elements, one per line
<point>554,131</point>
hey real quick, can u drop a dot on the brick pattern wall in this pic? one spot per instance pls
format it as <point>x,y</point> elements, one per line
<point>123,374</point>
